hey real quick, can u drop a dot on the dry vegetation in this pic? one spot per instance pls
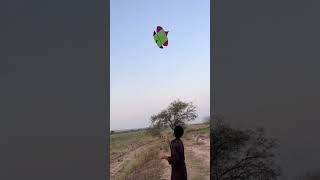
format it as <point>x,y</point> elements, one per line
<point>146,166</point>
<point>135,155</point>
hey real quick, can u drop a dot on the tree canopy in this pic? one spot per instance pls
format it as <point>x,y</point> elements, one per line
<point>177,113</point>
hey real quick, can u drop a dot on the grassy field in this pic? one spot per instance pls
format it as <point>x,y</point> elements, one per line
<point>135,155</point>
<point>121,141</point>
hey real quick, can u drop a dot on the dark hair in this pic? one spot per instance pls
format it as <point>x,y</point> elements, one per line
<point>178,131</point>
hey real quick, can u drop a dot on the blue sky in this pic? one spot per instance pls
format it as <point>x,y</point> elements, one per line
<point>145,78</point>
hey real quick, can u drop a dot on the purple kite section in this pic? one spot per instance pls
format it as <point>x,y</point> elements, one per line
<point>159,28</point>
<point>165,43</point>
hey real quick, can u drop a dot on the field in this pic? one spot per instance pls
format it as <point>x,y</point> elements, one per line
<point>135,155</point>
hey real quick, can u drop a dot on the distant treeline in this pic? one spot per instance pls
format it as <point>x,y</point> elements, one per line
<point>126,131</point>
<point>140,129</point>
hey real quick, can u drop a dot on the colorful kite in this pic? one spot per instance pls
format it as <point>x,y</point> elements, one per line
<point>160,37</point>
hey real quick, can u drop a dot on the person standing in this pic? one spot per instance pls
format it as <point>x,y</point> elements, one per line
<point>177,160</point>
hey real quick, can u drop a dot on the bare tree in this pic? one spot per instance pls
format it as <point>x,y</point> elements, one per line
<point>177,113</point>
<point>241,154</point>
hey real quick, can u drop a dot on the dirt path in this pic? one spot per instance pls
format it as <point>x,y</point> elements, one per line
<point>118,165</point>
<point>202,150</point>
<point>197,159</point>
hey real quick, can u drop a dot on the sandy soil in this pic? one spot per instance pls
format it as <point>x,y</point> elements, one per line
<point>202,151</point>
<point>166,170</point>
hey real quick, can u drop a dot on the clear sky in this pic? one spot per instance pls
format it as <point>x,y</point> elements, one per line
<point>145,78</point>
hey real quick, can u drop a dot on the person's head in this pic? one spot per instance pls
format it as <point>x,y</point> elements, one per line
<point>178,131</point>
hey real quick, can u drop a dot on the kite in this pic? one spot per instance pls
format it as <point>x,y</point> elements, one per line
<point>160,37</point>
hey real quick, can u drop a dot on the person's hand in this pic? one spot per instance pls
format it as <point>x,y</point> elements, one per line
<point>163,156</point>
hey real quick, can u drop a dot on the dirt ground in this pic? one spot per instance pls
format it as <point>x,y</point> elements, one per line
<point>197,154</point>
<point>118,164</point>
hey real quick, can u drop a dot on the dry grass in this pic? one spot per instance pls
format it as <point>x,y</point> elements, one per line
<point>147,165</point>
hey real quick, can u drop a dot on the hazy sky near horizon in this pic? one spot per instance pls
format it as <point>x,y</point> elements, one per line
<point>145,78</point>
